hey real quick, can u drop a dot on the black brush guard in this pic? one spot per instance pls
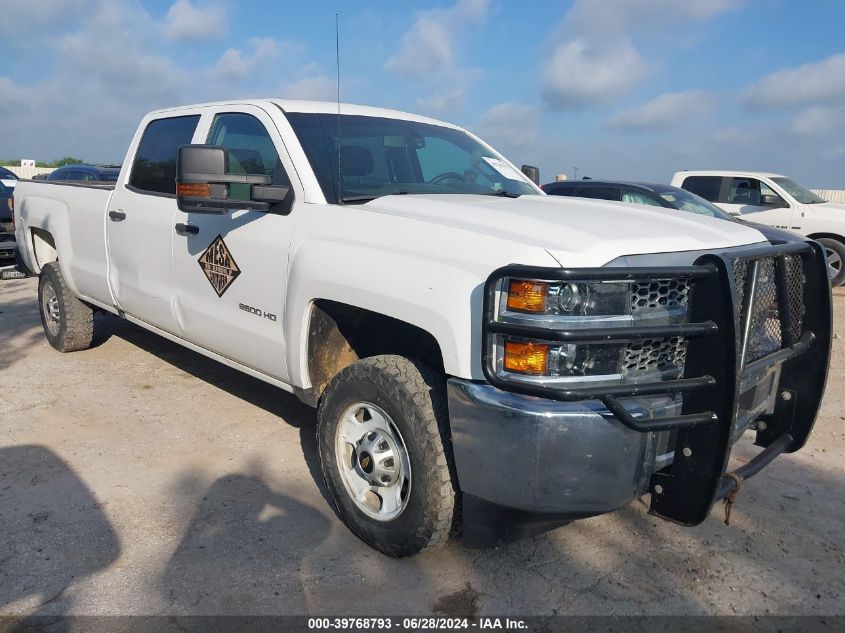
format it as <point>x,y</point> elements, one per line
<point>685,491</point>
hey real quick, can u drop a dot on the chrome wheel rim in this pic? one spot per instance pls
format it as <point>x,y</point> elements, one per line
<point>50,308</point>
<point>834,262</point>
<point>373,461</point>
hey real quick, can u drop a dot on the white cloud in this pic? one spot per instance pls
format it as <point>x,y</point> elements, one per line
<point>665,111</point>
<point>23,18</point>
<point>593,58</point>
<point>581,72</point>
<point>818,121</point>
<point>318,87</point>
<point>235,64</point>
<point>509,125</point>
<point>444,101</point>
<point>428,46</point>
<point>186,21</point>
<point>813,83</point>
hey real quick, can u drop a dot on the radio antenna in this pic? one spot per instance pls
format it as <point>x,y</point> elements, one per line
<point>337,143</point>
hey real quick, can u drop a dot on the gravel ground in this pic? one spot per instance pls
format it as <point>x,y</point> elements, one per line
<point>141,478</point>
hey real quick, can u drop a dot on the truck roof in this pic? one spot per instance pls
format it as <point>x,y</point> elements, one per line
<point>729,172</point>
<point>318,107</point>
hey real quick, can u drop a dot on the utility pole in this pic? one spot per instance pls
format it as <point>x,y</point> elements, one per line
<point>575,171</point>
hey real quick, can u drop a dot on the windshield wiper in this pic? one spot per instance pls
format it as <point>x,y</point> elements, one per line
<point>368,198</point>
<point>505,194</point>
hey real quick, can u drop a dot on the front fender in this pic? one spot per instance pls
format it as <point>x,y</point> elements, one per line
<point>437,297</point>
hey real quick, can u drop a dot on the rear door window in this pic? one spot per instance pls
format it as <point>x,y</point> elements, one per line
<point>600,193</point>
<point>154,169</point>
<point>708,187</point>
<point>636,197</point>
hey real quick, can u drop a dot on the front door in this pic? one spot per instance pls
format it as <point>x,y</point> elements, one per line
<point>139,224</point>
<point>230,269</point>
<point>756,201</point>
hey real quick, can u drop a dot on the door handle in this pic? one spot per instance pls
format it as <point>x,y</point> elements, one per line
<point>117,216</point>
<point>185,229</point>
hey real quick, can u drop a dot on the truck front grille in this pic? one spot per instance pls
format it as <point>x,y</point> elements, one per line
<point>654,354</point>
<point>762,315</point>
<point>659,294</point>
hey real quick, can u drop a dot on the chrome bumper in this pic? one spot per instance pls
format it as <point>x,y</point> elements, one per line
<point>545,456</point>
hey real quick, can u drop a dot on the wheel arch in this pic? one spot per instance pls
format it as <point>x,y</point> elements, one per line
<point>339,334</point>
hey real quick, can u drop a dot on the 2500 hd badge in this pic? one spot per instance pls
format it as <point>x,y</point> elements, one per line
<point>257,311</point>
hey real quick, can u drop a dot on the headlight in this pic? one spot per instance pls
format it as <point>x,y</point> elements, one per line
<point>557,331</point>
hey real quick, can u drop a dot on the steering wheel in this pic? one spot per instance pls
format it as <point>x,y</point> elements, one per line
<point>447,175</point>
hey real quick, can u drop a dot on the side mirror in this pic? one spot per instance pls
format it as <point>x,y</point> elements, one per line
<point>532,172</point>
<point>203,179</point>
<point>772,201</point>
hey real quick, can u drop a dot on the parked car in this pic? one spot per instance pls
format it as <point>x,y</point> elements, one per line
<point>8,178</point>
<point>778,201</point>
<point>7,222</point>
<point>651,194</point>
<point>476,349</point>
<point>87,173</point>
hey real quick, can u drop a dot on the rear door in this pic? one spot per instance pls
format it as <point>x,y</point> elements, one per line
<point>230,269</point>
<point>140,219</point>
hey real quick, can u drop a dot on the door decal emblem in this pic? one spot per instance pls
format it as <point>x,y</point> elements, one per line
<point>219,266</point>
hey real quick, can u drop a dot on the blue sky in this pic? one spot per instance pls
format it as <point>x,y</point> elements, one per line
<point>632,89</point>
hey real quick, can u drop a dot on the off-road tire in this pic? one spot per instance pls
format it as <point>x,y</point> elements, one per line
<point>75,327</point>
<point>837,247</point>
<point>414,396</point>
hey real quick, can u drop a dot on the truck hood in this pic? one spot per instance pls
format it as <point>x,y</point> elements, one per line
<point>574,231</point>
<point>832,210</point>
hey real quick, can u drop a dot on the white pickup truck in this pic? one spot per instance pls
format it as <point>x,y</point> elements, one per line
<point>777,201</point>
<point>478,352</point>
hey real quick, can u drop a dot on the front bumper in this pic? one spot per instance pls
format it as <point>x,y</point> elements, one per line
<point>571,459</point>
<point>582,452</point>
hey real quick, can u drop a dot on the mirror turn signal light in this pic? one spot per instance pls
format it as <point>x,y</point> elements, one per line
<point>527,296</point>
<point>526,358</point>
<point>193,189</point>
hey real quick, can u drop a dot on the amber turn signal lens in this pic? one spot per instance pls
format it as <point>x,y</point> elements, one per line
<point>193,190</point>
<point>527,296</point>
<point>526,358</point>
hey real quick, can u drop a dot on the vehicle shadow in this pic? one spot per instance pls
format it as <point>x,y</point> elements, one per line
<point>20,324</point>
<point>243,549</point>
<point>55,532</point>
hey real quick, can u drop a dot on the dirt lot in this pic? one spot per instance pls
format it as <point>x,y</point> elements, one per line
<point>140,478</point>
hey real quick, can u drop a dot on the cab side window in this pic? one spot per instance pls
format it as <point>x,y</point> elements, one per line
<point>154,169</point>
<point>744,191</point>
<point>708,187</point>
<point>251,151</point>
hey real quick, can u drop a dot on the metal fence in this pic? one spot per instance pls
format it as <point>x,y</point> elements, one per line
<point>831,195</point>
<point>28,172</point>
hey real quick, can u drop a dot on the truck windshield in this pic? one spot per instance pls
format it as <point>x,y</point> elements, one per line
<point>799,192</point>
<point>382,156</point>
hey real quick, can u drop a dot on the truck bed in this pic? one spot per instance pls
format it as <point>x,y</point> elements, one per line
<point>75,214</point>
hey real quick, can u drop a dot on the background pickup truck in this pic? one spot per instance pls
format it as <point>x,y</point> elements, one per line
<point>777,201</point>
<point>478,352</point>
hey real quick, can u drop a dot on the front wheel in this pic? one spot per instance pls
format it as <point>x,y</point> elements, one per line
<point>835,252</point>
<point>385,455</point>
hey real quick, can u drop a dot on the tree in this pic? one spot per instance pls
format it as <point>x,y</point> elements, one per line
<point>67,160</point>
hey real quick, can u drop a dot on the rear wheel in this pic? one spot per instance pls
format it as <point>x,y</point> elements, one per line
<point>835,252</point>
<point>385,455</point>
<point>68,323</point>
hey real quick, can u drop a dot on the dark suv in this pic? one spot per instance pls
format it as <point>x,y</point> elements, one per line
<point>637,193</point>
<point>87,173</point>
